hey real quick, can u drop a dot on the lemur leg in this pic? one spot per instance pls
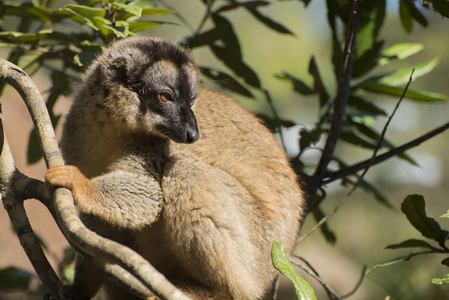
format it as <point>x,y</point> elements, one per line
<point>207,222</point>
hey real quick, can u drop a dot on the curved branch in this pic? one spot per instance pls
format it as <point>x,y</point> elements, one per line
<point>339,103</point>
<point>66,217</point>
<point>16,212</point>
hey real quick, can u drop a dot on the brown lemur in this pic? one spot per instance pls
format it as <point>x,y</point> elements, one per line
<point>183,175</point>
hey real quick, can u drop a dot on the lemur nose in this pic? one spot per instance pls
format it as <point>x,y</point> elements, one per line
<point>192,135</point>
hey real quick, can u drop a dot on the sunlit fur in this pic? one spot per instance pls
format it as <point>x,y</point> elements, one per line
<point>204,213</point>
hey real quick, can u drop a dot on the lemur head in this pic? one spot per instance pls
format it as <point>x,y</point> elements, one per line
<point>147,84</point>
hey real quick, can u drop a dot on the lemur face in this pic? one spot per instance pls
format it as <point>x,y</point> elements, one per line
<point>151,85</point>
<point>169,93</point>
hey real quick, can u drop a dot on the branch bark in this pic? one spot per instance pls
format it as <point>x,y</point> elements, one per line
<point>380,158</point>
<point>16,212</point>
<point>339,103</point>
<point>120,259</point>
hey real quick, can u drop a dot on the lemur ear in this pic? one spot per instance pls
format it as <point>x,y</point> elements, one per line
<point>119,69</point>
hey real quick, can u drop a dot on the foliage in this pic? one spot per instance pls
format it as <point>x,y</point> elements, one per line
<point>63,40</point>
<point>13,278</point>
<point>280,261</point>
<point>413,207</point>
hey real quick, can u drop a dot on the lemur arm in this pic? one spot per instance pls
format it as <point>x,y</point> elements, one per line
<point>121,198</point>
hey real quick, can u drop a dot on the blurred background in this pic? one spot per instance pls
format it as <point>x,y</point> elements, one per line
<point>364,226</point>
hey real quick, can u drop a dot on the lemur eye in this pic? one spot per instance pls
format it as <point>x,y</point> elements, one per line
<point>165,97</point>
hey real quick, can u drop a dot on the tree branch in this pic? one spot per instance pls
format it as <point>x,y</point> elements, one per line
<point>16,212</point>
<point>378,159</point>
<point>66,217</point>
<point>339,103</point>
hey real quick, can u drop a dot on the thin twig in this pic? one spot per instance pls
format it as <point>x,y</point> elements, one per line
<point>206,16</point>
<point>354,187</point>
<point>275,288</point>
<point>339,103</point>
<point>378,159</point>
<point>296,261</point>
<point>359,283</point>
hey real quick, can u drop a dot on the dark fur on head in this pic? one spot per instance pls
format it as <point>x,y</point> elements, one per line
<point>153,80</point>
<point>144,51</point>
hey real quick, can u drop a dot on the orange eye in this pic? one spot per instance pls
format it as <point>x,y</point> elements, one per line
<point>165,97</point>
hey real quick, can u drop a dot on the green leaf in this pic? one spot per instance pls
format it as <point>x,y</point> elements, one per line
<point>417,15</point>
<point>13,279</point>
<point>306,2</point>
<point>26,10</point>
<point>155,11</point>
<point>351,137</point>
<point>318,84</point>
<point>237,65</point>
<point>406,15</point>
<point>120,30</point>
<point>133,10</point>
<point>85,12</point>
<point>26,37</point>
<point>443,280</point>
<point>374,135</point>
<point>226,81</point>
<point>367,34</point>
<point>408,11</point>
<point>329,235</point>
<point>413,94</point>
<point>246,4</point>
<point>388,263</point>
<point>228,36</point>
<point>68,272</point>
<point>298,85</point>
<point>100,23</point>
<point>445,261</point>
<point>34,152</point>
<point>402,76</point>
<point>10,45</point>
<point>413,243</point>
<point>273,124</point>
<point>140,26</point>
<point>413,207</point>
<point>367,186</point>
<point>441,6</point>
<point>309,137</point>
<point>269,22</point>
<point>400,51</point>
<point>446,215</point>
<point>280,261</point>
<point>205,38</point>
<point>82,20</point>
<point>30,61</point>
<point>366,62</point>
<point>365,106</point>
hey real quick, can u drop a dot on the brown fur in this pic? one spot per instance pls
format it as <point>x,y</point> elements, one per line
<point>204,214</point>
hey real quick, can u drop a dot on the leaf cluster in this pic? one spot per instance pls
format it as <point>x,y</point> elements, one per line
<point>413,207</point>
<point>64,40</point>
<point>371,78</point>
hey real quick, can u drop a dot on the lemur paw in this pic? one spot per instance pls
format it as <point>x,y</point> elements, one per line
<point>70,177</point>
